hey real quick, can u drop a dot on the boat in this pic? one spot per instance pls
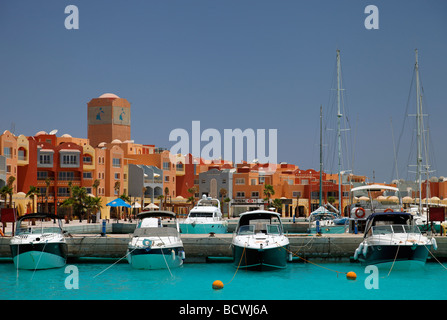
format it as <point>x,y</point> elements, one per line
<point>392,240</point>
<point>205,217</point>
<point>369,199</point>
<point>323,220</point>
<point>154,243</point>
<point>259,242</point>
<point>39,246</point>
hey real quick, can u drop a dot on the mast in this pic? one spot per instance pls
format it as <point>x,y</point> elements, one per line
<point>321,156</point>
<point>419,132</point>
<point>339,115</point>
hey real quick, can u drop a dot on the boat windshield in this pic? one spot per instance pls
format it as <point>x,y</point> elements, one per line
<point>37,230</point>
<point>200,214</point>
<point>395,228</point>
<point>259,228</point>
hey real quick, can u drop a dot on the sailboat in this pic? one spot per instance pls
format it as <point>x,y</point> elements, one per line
<point>322,220</point>
<point>422,214</point>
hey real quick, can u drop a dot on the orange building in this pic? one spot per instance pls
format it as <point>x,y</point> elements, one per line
<point>108,118</point>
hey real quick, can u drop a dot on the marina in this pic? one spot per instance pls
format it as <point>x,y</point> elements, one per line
<point>87,242</point>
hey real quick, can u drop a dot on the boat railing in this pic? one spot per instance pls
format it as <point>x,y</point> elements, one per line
<point>398,230</point>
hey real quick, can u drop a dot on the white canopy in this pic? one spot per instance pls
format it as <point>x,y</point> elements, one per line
<point>375,187</point>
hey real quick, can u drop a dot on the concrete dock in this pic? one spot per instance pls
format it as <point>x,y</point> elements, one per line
<point>87,242</point>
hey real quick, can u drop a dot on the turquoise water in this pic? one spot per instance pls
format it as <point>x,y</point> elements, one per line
<point>299,281</point>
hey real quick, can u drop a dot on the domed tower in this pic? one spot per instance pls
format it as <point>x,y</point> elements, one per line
<point>108,118</point>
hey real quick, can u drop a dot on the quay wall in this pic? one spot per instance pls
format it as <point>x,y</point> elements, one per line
<point>200,247</point>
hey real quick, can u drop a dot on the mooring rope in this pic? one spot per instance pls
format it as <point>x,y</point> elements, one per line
<point>240,260</point>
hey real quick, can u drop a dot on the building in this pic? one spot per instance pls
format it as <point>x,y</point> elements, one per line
<point>108,119</point>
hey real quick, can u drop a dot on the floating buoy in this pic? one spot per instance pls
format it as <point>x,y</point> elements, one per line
<point>351,275</point>
<point>218,285</point>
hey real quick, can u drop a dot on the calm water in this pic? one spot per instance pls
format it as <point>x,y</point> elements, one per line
<point>193,282</point>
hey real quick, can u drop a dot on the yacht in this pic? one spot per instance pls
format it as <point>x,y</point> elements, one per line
<point>259,242</point>
<point>392,239</point>
<point>205,217</point>
<point>41,245</point>
<point>155,243</point>
<point>323,220</point>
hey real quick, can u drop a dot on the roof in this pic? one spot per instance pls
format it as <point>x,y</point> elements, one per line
<point>109,95</point>
<point>244,218</point>
<point>375,187</point>
<point>151,214</point>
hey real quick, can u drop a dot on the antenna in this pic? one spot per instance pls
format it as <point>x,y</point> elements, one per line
<point>53,132</point>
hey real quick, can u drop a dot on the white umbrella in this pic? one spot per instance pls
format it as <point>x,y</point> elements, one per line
<point>151,206</point>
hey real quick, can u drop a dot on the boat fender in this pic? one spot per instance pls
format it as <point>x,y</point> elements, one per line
<point>365,249</point>
<point>182,254</point>
<point>147,243</point>
<point>388,210</point>
<point>290,257</point>
<point>356,253</point>
<point>172,254</point>
<point>1,233</point>
<point>434,243</point>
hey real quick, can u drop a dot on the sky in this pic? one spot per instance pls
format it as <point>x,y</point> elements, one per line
<point>258,64</point>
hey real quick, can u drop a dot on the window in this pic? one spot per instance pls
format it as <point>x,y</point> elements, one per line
<point>116,162</point>
<point>296,194</point>
<point>66,175</point>
<point>166,178</point>
<point>240,194</point>
<point>45,159</point>
<point>7,152</point>
<point>42,175</point>
<point>117,176</point>
<point>253,182</point>
<point>240,180</point>
<point>255,194</point>
<point>166,166</point>
<point>87,175</point>
<point>87,160</point>
<point>63,192</point>
<point>69,159</point>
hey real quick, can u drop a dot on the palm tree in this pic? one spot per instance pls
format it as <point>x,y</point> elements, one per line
<point>223,193</point>
<point>47,183</point>
<point>93,204</point>
<point>192,198</point>
<point>268,192</point>
<point>277,204</point>
<point>33,192</point>
<point>126,198</point>
<point>4,191</point>
<point>10,185</point>
<point>77,201</point>
<point>95,185</point>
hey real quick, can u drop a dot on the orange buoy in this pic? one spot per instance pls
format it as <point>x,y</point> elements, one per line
<point>218,284</point>
<point>351,275</point>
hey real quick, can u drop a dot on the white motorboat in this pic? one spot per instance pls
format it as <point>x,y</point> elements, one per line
<point>205,217</point>
<point>39,246</point>
<point>323,220</point>
<point>155,245</point>
<point>393,240</point>
<point>259,242</point>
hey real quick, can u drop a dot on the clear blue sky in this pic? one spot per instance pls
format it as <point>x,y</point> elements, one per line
<point>230,64</point>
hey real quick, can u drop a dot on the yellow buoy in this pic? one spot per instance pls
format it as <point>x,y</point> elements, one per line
<point>351,275</point>
<point>218,284</point>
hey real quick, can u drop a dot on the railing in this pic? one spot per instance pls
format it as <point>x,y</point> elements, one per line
<point>400,231</point>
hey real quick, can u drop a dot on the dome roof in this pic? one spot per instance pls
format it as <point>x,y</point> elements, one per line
<point>40,132</point>
<point>109,95</point>
<point>116,141</point>
<point>66,135</point>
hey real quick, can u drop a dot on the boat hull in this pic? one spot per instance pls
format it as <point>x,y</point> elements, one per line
<point>39,256</point>
<point>401,257</point>
<point>335,229</point>
<point>150,259</point>
<point>203,228</point>
<point>260,259</point>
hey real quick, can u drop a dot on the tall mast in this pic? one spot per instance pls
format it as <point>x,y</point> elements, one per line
<point>339,115</point>
<point>321,156</point>
<point>419,133</point>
